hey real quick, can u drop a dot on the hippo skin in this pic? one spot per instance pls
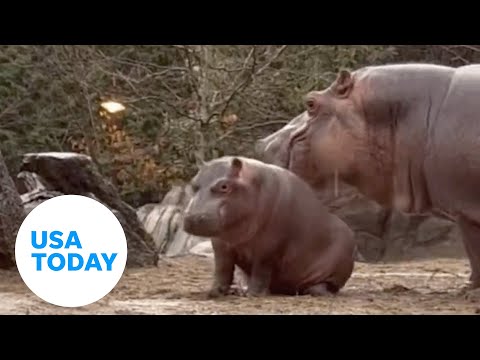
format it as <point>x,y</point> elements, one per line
<point>268,222</point>
<point>405,135</point>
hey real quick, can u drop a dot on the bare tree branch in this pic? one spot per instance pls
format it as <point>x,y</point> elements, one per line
<point>240,86</point>
<point>250,127</point>
<point>272,59</point>
<point>470,47</point>
<point>453,52</point>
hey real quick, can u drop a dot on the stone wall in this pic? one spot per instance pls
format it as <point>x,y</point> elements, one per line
<point>381,235</point>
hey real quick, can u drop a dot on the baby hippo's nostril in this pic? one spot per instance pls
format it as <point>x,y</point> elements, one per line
<point>190,222</point>
<point>194,221</point>
<point>187,222</point>
<point>200,225</point>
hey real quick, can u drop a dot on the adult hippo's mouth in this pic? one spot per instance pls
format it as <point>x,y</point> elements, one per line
<point>299,135</point>
<point>276,148</point>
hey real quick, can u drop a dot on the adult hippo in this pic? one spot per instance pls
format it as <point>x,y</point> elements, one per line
<point>405,135</point>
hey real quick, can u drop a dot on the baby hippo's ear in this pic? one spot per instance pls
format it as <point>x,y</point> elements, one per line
<point>236,167</point>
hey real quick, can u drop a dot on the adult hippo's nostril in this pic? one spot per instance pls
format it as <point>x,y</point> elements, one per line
<point>271,151</point>
<point>260,147</point>
<point>266,150</point>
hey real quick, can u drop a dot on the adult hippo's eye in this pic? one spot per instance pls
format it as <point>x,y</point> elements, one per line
<point>310,105</point>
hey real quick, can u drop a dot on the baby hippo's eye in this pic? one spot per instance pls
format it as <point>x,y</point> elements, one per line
<point>222,187</point>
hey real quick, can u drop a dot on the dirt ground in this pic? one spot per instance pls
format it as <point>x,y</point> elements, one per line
<point>178,286</point>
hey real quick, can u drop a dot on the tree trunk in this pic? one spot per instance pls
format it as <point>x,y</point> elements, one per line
<point>11,216</point>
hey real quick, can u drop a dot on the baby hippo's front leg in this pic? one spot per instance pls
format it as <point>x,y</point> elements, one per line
<point>224,270</point>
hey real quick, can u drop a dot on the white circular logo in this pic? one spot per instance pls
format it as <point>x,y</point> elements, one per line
<point>71,251</point>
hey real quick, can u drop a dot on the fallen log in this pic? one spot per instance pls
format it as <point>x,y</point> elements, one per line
<point>44,175</point>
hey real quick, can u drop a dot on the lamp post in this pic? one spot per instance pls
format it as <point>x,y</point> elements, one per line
<point>112,107</point>
<point>111,112</point>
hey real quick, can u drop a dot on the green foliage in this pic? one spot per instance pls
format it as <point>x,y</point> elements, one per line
<point>182,102</point>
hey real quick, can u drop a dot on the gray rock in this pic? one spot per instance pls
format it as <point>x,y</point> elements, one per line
<point>387,235</point>
<point>434,229</point>
<point>203,249</point>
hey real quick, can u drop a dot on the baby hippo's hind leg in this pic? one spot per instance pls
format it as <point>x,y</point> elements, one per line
<point>322,289</point>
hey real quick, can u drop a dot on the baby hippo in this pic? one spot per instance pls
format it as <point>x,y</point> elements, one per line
<point>269,223</point>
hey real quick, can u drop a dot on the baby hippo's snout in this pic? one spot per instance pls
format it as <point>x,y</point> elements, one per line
<point>200,225</point>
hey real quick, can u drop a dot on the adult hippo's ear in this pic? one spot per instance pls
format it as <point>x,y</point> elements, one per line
<point>343,84</point>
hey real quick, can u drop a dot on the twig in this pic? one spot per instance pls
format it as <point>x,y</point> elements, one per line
<point>470,47</point>
<point>275,57</point>
<point>251,78</point>
<point>450,51</point>
<point>250,127</point>
<point>239,85</point>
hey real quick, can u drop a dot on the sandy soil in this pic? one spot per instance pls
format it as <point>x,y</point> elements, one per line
<point>178,286</point>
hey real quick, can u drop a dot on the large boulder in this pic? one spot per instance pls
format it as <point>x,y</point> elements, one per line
<point>381,234</point>
<point>45,175</point>
<point>388,235</point>
<point>163,222</point>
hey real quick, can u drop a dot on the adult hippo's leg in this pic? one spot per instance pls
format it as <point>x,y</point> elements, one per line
<point>471,240</point>
<point>464,201</point>
<point>452,164</point>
